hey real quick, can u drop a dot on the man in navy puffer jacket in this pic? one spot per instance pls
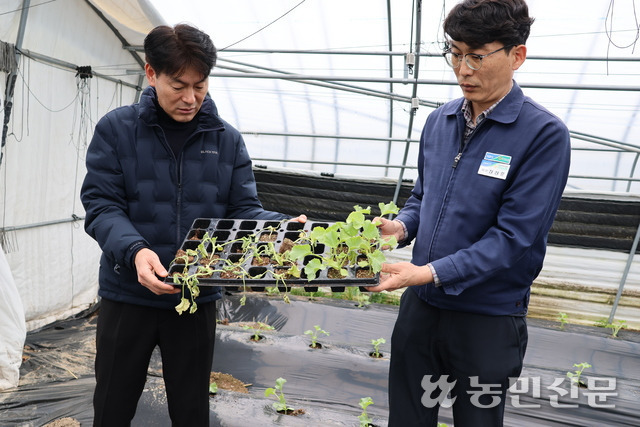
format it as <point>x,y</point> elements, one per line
<point>152,168</point>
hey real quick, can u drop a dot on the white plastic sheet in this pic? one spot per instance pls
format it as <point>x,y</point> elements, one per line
<point>13,329</point>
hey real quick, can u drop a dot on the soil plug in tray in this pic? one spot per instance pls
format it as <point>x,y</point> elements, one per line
<point>262,253</point>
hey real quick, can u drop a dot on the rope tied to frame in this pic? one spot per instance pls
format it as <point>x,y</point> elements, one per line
<point>8,62</point>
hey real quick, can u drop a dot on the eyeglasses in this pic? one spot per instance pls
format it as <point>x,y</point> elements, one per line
<point>473,60</point>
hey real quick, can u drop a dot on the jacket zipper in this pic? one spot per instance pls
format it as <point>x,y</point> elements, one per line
<point>456,160</point>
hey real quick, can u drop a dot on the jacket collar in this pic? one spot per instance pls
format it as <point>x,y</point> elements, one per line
<point>505,112</point>
<point>208,115</point>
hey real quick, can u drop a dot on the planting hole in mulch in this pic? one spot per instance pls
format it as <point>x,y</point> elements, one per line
<point>294,412</point>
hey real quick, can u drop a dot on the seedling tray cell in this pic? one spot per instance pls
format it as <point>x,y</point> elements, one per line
<point>243,245</point>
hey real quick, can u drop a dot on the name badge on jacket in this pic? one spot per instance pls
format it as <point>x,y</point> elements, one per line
<point>495,165</point>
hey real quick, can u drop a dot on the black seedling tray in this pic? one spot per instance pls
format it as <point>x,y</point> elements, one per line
<point>229,234</point>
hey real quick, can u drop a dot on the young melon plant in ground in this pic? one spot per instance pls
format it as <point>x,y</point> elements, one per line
<point>376,347</point>
<point>365,420</point>
<point>562,318</point>
<point>281,405</point>
<point>256,327</point>
<point>575,376</point>
<point>313,333</point>
<point>615,326</point>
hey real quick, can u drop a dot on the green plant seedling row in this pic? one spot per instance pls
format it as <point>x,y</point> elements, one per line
<point>261,253</point>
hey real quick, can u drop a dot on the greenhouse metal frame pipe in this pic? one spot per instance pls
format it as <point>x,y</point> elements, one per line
<point>73,67</point>
<point>311,135</point>
<point>334,85</point>
<point>414,95</point>
<point>623,280</point>
<point>605,178</point>
<point>405,166</point>
<point>320,162</point>
<point>616,147</point>
<point>391,106</point>
<point>424,54</point>
<point>73,218</point>
<point>303,77</point>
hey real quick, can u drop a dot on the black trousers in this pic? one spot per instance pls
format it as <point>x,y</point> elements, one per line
<point>480,353</point>
<point>125,339</point>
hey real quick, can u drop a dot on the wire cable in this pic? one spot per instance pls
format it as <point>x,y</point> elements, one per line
<point>266,26</point>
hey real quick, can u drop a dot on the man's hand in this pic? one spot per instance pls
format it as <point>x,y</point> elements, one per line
<point>300,218</point>
<point>149,267</point>
<point>401,275</point>
<point>389,228</point>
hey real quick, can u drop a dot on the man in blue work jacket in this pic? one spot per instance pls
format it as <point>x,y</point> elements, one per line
<point>492,168</point>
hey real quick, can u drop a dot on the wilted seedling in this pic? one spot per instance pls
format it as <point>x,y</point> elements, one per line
<point>314,335</point>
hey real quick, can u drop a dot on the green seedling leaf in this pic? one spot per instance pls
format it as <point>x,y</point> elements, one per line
<point>298,252</point>
<point>356,219</point>
<point>389,208</point>
<point>376,259</point>
<point>365,402</point>
<point>370,231</point>
<point>349,230</point>
<point>213,388</point>
<point>312,268</point>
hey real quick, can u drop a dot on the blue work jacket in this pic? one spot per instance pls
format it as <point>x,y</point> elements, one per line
<point>136,193</point>
<point>480,213</point>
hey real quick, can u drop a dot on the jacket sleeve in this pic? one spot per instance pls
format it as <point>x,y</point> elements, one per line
<point>104,198</point>
<point>526,213</point>
<point>243,195</point>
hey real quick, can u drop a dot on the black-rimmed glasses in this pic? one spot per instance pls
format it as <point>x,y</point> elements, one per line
<point>473,60</point>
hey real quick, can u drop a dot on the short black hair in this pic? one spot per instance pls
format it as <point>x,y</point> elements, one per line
<point>479,22</point>
<point>172,50</point>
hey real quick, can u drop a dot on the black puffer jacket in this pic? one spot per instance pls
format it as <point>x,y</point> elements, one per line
<point>137,194</point>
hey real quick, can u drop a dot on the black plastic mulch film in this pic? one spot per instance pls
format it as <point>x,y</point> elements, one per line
<point>57,377</point>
